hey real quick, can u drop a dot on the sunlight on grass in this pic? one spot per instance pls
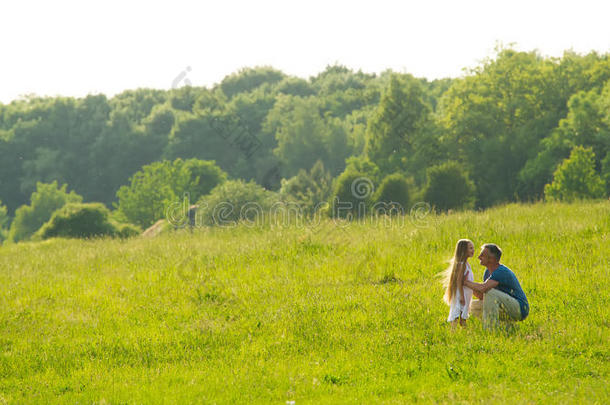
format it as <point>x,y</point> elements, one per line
<point>308,315</point>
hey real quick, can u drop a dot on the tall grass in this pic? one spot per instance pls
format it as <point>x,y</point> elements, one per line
<point>334,313</point>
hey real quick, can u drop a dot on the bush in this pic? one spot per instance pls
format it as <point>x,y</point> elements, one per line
<point>606,173</point>
<point>448,187</point>
<point>43,203</point>
<point>199,177</point>
<point>394,190</point>
<point>352,196</point>
<point>234,201</point>
<point>576,178</point>
<point>125,231</point>
<point>363,165</point>
<point>157,185</point>
<point>78,221</point>
<point>308,189</point>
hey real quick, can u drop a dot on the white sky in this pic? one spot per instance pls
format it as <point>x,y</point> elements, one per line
<point>74,48</point>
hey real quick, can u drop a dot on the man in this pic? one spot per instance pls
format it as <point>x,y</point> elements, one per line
<point>501,293</point>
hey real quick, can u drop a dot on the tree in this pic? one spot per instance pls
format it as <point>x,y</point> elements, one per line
<point>352,195</point>
<point>538,171</point>
<point>308,189</point>
<point>355,125</point>
<point>585,122</point>
<point>341,91</point>
<point>206,137</point>
<point>248,79</point>
<point>606,172</point>
<point>299,130</point>
<point>147,196</point>
<point>234,201</point>
<point>10,172</point>
<point>137,104</point>
<point>4,219</point>
<point>304,136</point>
<point>576,178</point>
<point>44,201</point>
<point>198,178</point>
<point>493,120</point>
<point>394,190</point>
<point>362,164</point>
<point>153,188</point>
<point>449,187</point>
<point>295,86</point>
<point>116,154</point>
<point>183,98</point>
<point>509,122</point>
<point>394,128</point>
<point>250,144</point>
<point>584,125</point>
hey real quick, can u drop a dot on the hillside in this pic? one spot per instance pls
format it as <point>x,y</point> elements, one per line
<point>333,313</point>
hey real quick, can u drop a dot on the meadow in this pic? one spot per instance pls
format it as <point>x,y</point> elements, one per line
<point>332,313</point>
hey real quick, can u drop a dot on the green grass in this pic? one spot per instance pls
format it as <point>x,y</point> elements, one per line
<point>326,314</point>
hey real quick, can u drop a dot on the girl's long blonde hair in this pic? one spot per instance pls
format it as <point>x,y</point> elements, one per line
<point>457,265</point>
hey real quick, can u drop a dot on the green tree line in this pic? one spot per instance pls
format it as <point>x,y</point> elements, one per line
<point>498,134</point>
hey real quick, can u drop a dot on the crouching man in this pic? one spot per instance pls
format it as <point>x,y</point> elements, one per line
<point>501,297</point>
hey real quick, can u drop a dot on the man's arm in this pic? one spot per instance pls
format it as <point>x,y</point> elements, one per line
<point>481,288</point>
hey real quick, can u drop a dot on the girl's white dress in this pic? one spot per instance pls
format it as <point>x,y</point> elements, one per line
<point>457,310</point>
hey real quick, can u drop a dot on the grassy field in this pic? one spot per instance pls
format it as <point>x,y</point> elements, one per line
<point>334,313</point>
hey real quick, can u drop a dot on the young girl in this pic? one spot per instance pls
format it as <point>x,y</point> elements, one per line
<point>457,296</point>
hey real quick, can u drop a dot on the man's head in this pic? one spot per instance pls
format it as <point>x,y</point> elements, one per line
<point>490,255</point>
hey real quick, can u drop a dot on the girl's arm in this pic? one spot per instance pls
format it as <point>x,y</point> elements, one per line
<point>481,287</point>
<point>460,283</point>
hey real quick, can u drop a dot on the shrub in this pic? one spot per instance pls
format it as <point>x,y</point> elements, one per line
<point>234,201</point>
<point>363,165</point>
<point>394,190</point>
<point>149,192</point>
<point>448,187</point>
<point>78,221</point>
<point>352,196</point>
<point>308,189</point>
<point>157,185</point>
<point>576,178</point>
<point>199,177</point>
<point>44,201</point>
<point>125,231</point>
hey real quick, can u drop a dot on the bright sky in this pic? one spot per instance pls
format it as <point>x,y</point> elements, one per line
<point>74,48</point>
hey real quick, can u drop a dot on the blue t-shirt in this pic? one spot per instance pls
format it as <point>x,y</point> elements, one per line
<point>508,283</point>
